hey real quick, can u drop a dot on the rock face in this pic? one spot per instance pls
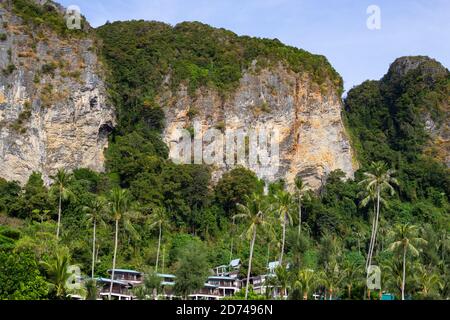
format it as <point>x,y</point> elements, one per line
<point>434,113</point>
<point>312,138</point>
<point>53,107</point>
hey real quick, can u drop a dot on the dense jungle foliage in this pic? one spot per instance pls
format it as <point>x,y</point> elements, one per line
<point>201,225</point>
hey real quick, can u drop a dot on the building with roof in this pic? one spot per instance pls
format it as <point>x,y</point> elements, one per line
<point>121,290</point>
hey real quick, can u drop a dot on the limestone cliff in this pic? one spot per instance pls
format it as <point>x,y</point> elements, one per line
<point>53,107</point>
<point>431,82</point>
<point>312,137</point>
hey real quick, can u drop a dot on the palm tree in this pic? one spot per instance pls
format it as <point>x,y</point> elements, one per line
<point>119,207</point>
<point>282,280</point>
<point>61,182</point>
<point>58,274</point>
<point>428,280</point>
<point>284,204</point>
<point>378,180</point>
<point>95,211</point>
<point>406,239</point>
<point>159,218</point>
<point>301,190</point>
<point>352,275</point>
<point>307,281</point>
<point>331,279</point>
<point>254,211</point>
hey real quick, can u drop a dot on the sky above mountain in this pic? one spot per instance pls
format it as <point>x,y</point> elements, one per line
<point>335,28</point>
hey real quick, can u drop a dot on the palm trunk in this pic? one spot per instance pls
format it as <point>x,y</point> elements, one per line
<point>252,245</point>
<point>283,240</point>
<point>299,216</point>
<point>159,246</point>
<point>305,295</point>
<point>376,223</point>
<point>404,273</point>
<point>114,258</point>
<point>369,254</point>
<point>375,227</point>
<point>59,213</point>
<point>93,250</point>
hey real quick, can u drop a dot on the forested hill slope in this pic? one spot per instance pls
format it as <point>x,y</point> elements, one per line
<point>403,119</point>
<point>193,72</point>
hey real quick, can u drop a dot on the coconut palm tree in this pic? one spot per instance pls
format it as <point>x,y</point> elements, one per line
<point>159,218</point>
<point>119,207</point>
<point>301,189</point>
<point>282,276</point>
<point>95,212</point>
<point>428,280</point>
<point>284,205</point>
<point>59,276</point>
<point>406,240</point>
<point>352,275</point>
<point>255,213</point>
<point>61,182</point>
<point>307,281</point>
<point>332,279</point>
<point>378,180</point>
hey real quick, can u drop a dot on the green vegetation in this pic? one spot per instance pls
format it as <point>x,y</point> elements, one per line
<point>142,54</point>
<point>46,15</point>
<point>149,214</point>
<point>20,278</point>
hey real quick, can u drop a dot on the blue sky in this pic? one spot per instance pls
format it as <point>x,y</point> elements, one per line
<point>334,28</point>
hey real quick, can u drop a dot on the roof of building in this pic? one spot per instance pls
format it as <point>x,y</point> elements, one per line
<point>124,283</point>
<point>124,271</point>
<point>221,278</point>
<point>273,265</point>
<point>235,262</point>
<point>165,275</point>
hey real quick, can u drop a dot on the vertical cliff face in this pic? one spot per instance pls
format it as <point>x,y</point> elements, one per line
<point>53,107</point>
<point>312,137</point>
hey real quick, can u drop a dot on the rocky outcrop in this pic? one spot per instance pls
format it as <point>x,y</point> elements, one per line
<point>312,137</point>
<point>431,77</point>
<point>53,107</point>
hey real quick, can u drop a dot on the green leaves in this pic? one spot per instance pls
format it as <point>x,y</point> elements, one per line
<point>20,278</point>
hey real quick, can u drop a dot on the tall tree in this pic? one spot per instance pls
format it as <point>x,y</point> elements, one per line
<point>378,180</point>
<point>284,205</point>
<point>61,182</point>
<point>255,213</point>
<point>159,218</point>
<point>192,270</point>
<point>301,189</point>
<point>95,212</point>
<point>119,207</point>
<point>406,240</point>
